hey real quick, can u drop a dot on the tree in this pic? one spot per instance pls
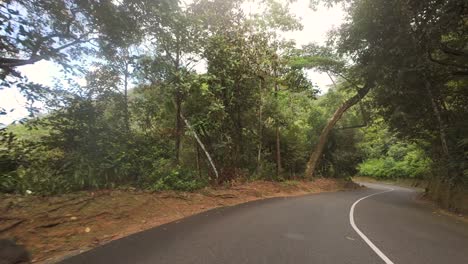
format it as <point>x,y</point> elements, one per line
<point>175,46</point>
<point>44,30</point>
<point>316,154</point>
<point>418,54</point>
<point>324,59</point>
<point>61,31</point>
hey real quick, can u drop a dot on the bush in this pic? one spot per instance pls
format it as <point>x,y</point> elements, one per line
<point>267,171</point>
<point>168,177</point>
<point>413,165</point>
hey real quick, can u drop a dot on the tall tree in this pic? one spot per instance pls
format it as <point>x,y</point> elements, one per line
<point>418,49</point>
<point>174,39</point>
<point>325,60</point>
<point>55,30</point>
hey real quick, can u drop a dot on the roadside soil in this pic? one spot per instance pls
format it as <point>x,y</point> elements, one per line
<point>52,228</point>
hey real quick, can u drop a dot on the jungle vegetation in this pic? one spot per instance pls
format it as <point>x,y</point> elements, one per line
<point>148,117</point>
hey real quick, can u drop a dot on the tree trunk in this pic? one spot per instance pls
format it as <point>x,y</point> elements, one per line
<point>127,115</point>
<point>239,159</point>
<point>178,125</point>
<point>178,101</point>
<point>440,122</point>
<point>200,143</point>
<point>260,131</point>
<point>278,142</point>
<point>240,143</point>
<point>317,153</point>
<point>197,148</point>
<point>278,152</point>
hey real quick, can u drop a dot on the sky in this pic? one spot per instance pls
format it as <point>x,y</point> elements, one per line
<point>316,24</point>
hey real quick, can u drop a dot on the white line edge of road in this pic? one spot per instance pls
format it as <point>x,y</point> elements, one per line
<point>364,237</point>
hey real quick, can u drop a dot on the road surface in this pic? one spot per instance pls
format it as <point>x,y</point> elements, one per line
<point>379,224</point>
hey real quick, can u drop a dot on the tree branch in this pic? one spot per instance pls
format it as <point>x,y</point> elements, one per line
<point>13,62</point>
<point>446,63</point>
<point>10,62</point>
<point>452,51</point>
<point>331,79</point>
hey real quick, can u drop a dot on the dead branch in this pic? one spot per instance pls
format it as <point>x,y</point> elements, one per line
<point>222,195</point>
<point>70,204</point>
<point>12,225</point>
<point>176,196</point>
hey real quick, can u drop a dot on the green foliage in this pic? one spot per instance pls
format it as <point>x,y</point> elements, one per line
<point>126,126</point>
<point>104,134</point>
<point>168,177</point>
<point>418,51</point>
<point>29,167</point>
<point>387,157</point>
<point>414,165</point>
<point>62,31</point>
<point>312,56</point>
<point>266,171</point>
<point>341,153</point>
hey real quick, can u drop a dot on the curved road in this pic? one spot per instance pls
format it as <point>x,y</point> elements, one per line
<point>387,225</point>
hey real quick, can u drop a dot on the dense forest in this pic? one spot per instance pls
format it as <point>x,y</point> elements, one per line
<point>180,95</point>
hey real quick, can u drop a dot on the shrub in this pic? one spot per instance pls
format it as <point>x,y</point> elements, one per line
<point>414,165</point>
<point>168,177</point>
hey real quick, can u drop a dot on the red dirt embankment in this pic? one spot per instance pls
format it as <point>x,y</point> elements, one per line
<point>54,227</point>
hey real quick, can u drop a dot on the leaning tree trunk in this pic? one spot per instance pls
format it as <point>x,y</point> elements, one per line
<point>202,146</point>
<point>315,156</point>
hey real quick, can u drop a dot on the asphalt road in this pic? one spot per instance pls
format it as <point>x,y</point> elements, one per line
<point>388,226</point>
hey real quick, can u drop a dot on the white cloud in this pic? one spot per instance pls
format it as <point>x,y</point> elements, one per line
<point>42,72</point>
<point>11,99</point>
<point>317,23</point>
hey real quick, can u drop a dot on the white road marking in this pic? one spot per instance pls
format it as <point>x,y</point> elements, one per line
<point>364,237</point>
